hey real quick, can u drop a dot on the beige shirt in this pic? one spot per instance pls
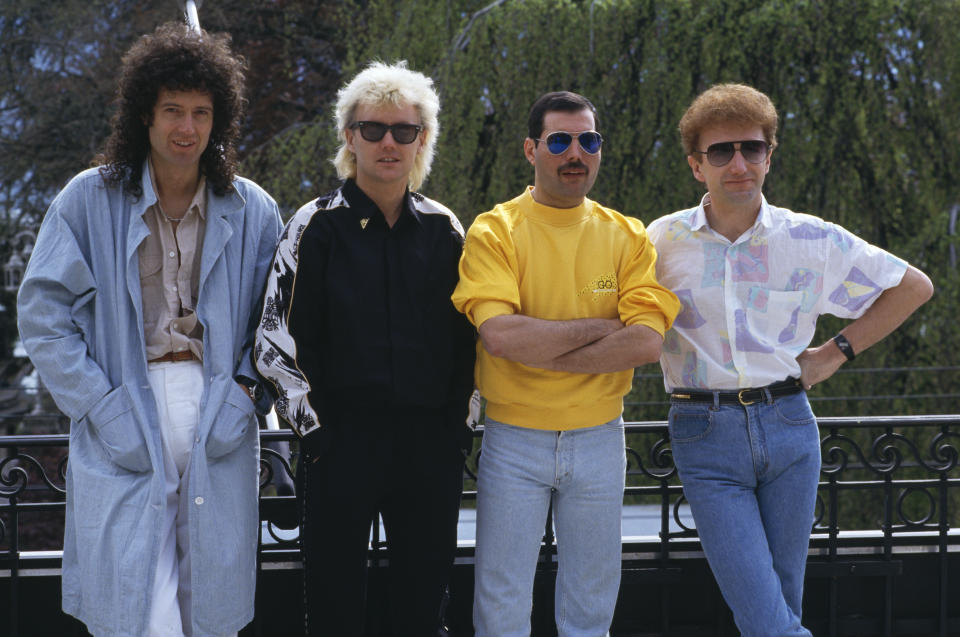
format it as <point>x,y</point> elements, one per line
<point>169,278</point>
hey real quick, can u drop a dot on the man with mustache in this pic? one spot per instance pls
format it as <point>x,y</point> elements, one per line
<point>564,295</point>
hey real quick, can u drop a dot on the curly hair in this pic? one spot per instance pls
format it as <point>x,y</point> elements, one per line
<point>728,104</point>
<point>175,58</point>
<point>381,84</point>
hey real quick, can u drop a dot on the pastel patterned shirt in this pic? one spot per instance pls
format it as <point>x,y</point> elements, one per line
<point>750,306</point>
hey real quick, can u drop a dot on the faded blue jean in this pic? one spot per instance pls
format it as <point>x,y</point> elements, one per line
<point>750,475</point>
<point>521,470</point>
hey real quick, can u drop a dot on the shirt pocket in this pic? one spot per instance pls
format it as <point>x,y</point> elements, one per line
<point>151,286</point>
<point>773,316</point>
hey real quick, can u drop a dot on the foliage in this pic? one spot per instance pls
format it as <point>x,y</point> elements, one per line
<point>869,110</point>
<point>867,92</point>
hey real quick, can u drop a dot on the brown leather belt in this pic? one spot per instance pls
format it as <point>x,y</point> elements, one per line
<point>175,357</point>
<point>740,397</point>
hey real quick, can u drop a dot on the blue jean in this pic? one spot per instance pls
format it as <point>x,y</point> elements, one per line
<point>520,471</point>
<point>750,475</point>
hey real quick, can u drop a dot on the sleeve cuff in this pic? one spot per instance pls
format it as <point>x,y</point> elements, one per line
<point>488,309</point>
<point>654,320</point>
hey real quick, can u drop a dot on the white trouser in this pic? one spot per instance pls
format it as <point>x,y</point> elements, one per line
<point>177,388</point>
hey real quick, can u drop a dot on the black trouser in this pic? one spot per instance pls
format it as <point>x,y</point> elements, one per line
<point>404,463</point>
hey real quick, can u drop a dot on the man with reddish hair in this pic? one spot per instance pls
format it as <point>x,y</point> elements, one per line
<point>753,278</point>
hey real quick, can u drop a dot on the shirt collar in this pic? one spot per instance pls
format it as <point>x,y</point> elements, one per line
<point>365,207</point>
<point>699,219</point>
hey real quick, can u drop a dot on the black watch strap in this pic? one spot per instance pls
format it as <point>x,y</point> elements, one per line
<point>844,346</point>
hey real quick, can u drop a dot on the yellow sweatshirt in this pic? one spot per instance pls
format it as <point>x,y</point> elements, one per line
<point>558,264</point>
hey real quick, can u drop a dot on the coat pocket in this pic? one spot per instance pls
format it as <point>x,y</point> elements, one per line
<point>117,427</point>
<point>233,420</point>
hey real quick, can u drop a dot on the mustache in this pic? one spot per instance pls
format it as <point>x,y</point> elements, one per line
<point>574,164</point>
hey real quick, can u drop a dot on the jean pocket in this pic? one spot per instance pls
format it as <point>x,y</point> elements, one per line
<point>795,409</point>
<point>689,425</point>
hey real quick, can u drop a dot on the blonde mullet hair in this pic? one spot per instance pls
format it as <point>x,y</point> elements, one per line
<point>383,84</point>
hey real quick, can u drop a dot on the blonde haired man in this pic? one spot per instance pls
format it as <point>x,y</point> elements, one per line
<point>370,363</point>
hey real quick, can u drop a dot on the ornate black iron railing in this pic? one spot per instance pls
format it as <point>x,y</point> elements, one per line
<point>889,498</point>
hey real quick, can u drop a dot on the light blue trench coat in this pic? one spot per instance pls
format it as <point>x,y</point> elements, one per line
<point>81,321</point>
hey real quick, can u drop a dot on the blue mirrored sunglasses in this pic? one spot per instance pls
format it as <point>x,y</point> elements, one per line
<point>590,141</point>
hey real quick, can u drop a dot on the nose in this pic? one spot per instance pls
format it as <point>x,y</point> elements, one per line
<point>187,123</point>
<point>388,139</point>
<point>573,152</point>
<point>738,164</point>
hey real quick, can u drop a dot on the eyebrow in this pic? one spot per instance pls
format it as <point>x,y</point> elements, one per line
<point>180,105</point>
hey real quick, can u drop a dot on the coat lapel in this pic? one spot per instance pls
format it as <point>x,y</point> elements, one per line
<point>137,231</point>
<point>219,230</point>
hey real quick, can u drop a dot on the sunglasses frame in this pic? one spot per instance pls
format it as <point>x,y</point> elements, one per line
<point>737,148</point>
<point>546,141</point>
<point>391,128</point>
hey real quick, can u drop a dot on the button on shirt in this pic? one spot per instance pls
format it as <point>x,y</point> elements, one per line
<point>750,306</point>
<point>169,279</point>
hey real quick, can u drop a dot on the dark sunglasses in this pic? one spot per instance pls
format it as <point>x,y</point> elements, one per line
<point>560,141</point>
<point>374,131</point>
<point>753,150</point>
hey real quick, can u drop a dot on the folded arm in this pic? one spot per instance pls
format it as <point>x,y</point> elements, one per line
<point>589,345</point>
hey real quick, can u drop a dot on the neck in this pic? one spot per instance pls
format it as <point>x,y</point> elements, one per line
<point>175,188</point>
<point>388,197</point>
<point>731,220</point>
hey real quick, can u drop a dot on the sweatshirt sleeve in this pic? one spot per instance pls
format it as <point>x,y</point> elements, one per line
<point>488,283</point>
<point>643,301</point>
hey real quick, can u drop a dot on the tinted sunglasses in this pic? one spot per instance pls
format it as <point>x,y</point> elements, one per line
<point>374,131</point>
<point>590,141</point>
<point>753,150</point>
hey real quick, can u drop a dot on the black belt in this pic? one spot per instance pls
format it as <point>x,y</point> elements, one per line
<point>741,396</point>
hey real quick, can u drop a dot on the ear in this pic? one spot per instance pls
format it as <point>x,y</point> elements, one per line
<point>530,150</point>
<point>348,133</point>
<point>766,163</point>
<point>696,168</point>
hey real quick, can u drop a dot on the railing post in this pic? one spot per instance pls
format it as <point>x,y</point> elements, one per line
<point>664,553</point>
<point>888,546</point>
<point>942,549</point>
<point>15,559</point>
<point>833,530</point>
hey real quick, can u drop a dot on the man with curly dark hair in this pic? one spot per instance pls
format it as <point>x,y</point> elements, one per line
<point>136,309</point>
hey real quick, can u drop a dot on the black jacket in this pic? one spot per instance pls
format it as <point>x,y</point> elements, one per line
<point>357,312</point>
